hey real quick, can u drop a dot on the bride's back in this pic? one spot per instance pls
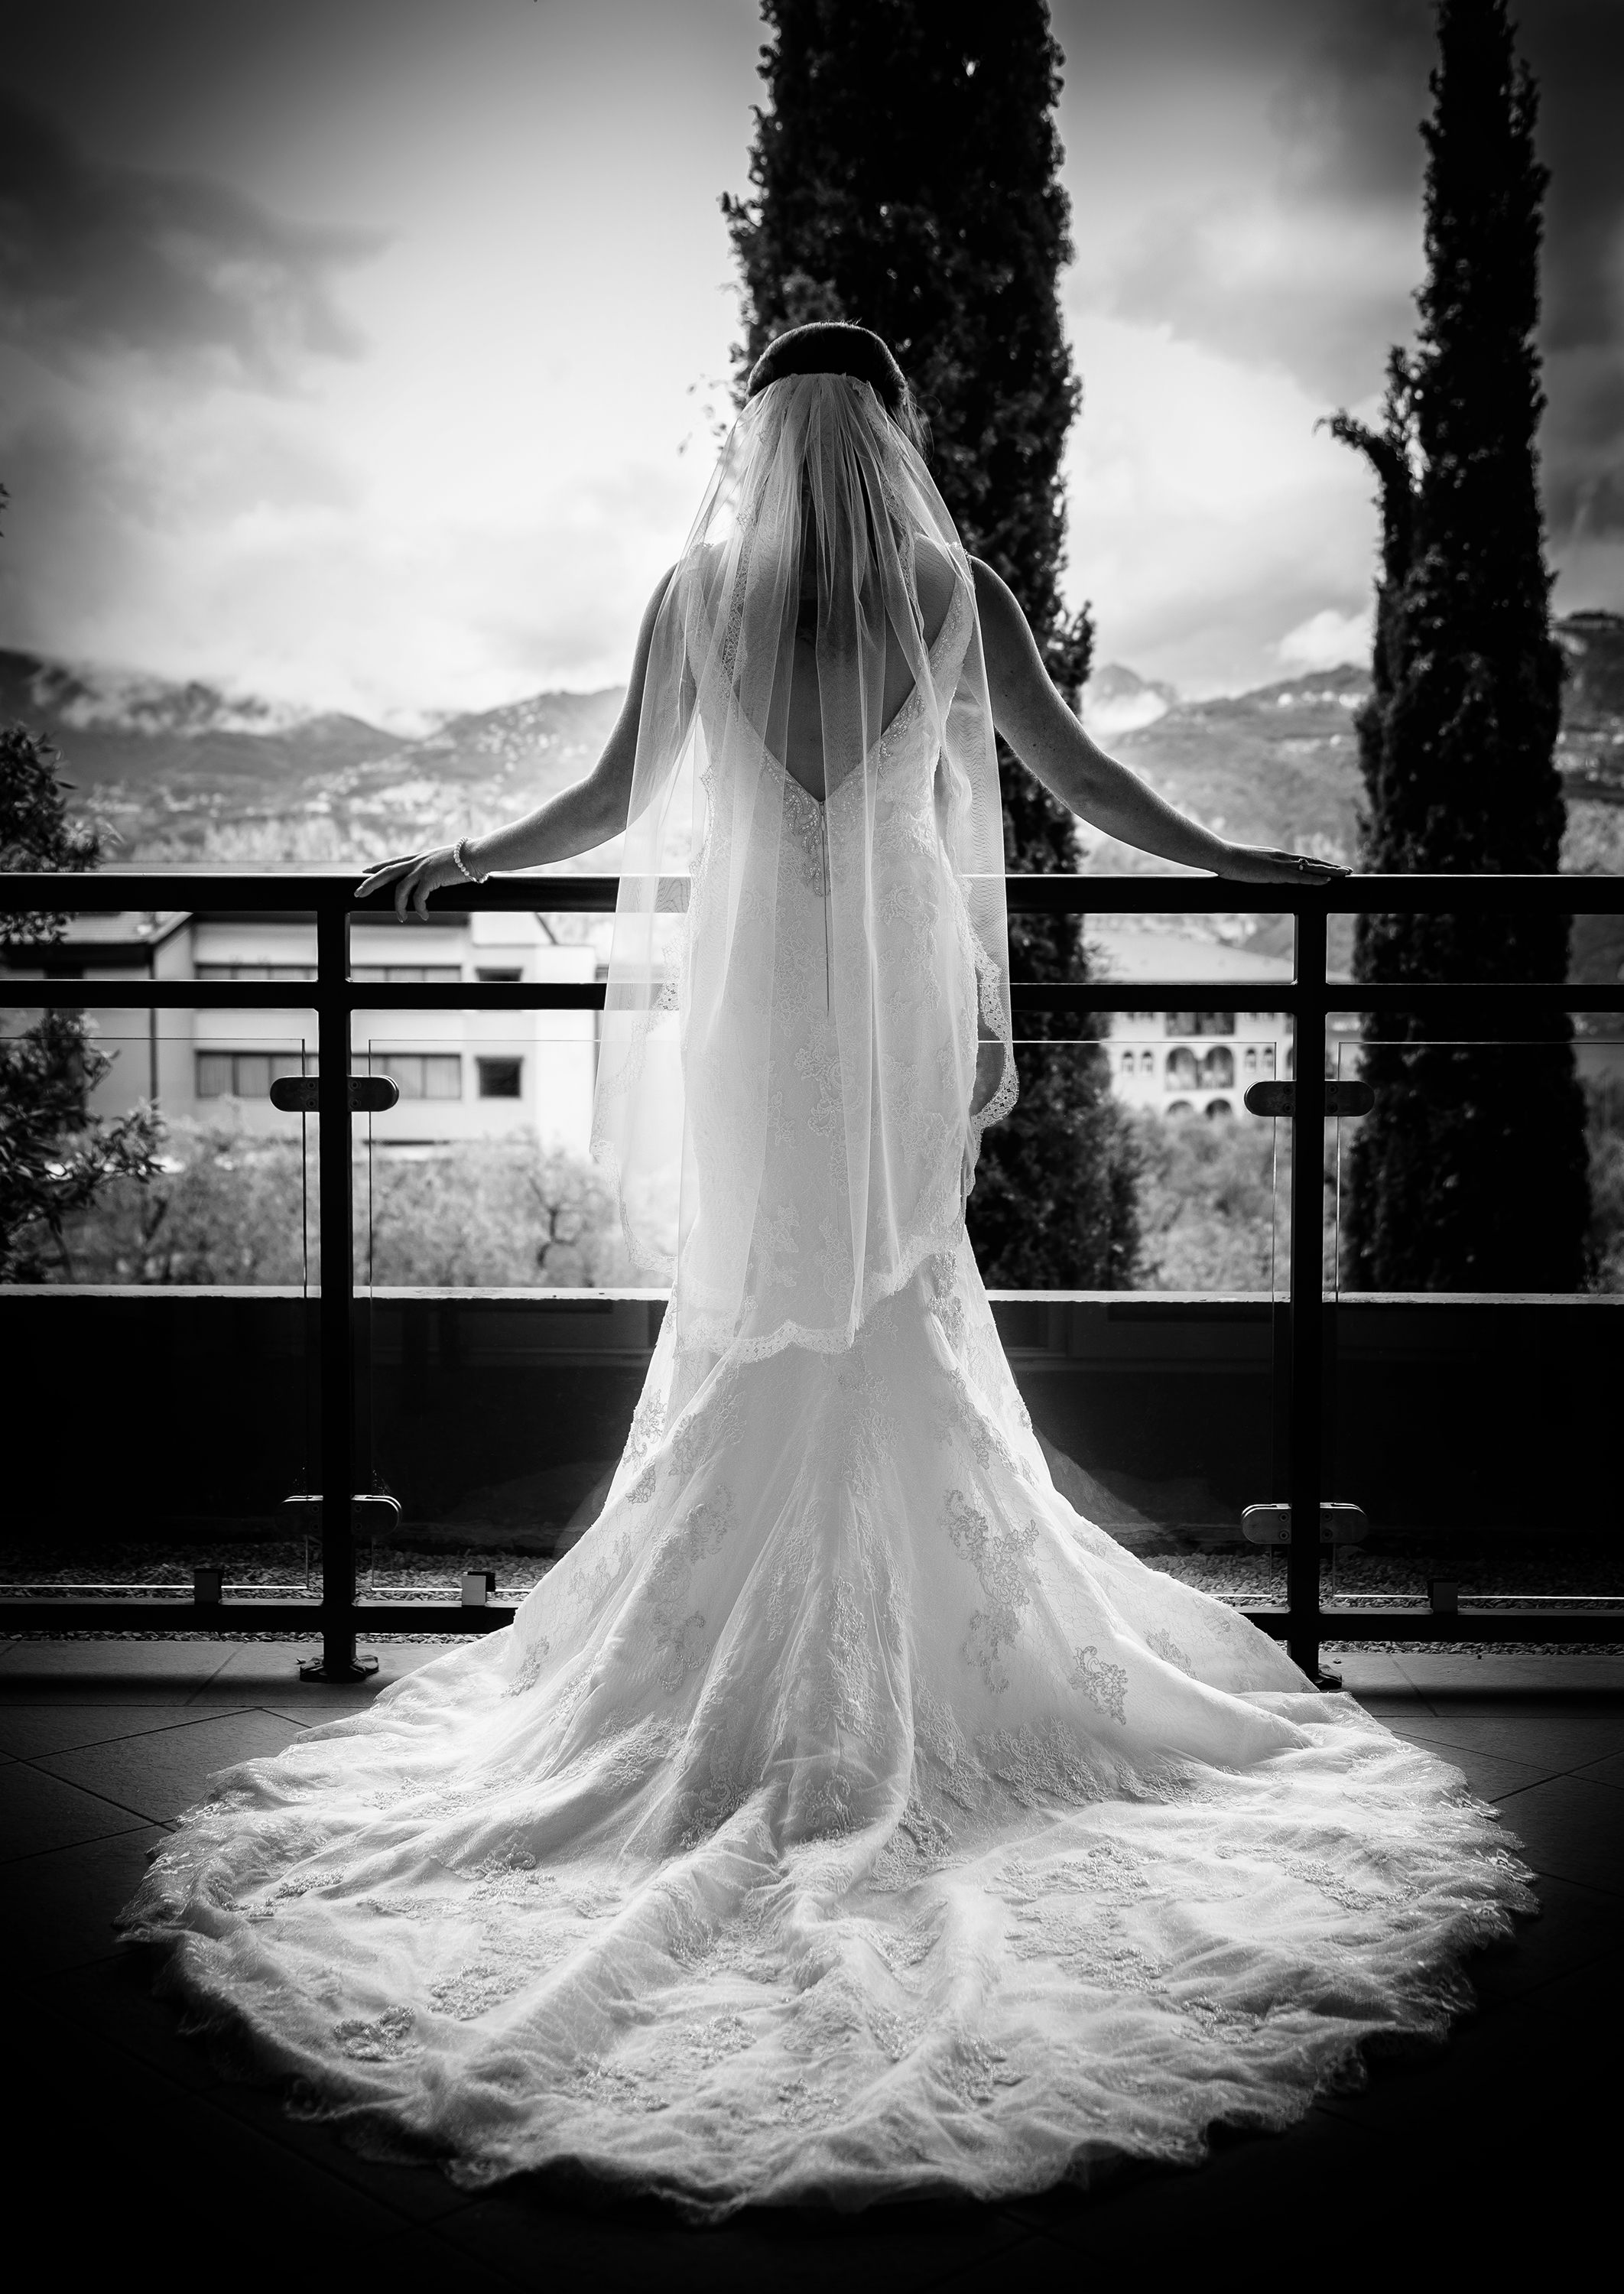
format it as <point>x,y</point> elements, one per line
<point>803,757</point>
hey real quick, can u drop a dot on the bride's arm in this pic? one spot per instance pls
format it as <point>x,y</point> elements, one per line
<point>586,813</point>
<point>1045,735</point>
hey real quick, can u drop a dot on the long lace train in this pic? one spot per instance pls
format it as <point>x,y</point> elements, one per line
<point>842,1817</point>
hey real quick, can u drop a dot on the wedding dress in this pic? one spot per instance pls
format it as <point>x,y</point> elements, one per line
<point>843,1818</point>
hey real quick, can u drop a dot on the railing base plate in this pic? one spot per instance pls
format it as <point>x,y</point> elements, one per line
<point>350,1669</point>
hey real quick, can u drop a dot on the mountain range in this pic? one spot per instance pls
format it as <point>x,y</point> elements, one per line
<point>185,773</point>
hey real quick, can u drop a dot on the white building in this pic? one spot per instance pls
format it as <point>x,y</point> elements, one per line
<point>1180,1063</point>
<point>462,1074</point>
<point>1197,1062</point>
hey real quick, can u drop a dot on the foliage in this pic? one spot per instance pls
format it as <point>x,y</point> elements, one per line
<point>1606,1144</point>
<point>35,830</point>
<point>1216,1202</point>
<point>228,1206</point>
<point>1207,1202</point>
<point>54,1159</point>
<point>905,173</point>
<point>1058,1207</point>
<point>497,1211</point>
<point>1471,1173</point>
<point>54,1155</point>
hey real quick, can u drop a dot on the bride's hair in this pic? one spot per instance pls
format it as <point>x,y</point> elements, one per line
<point>831,346</point>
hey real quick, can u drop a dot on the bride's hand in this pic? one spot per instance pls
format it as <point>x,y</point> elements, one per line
<point>1261,864</point>
<point>413,876</point>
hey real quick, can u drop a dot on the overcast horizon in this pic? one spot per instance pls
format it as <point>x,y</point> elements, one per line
<point>364,354</point>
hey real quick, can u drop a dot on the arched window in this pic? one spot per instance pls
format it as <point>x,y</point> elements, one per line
<point>1218,1109</point>
<point>1218,1067</point>
<point>1181,1069</point>
<point>1127,1063</point>
<point>1268,1059</point>
<point>1180,1106</point>
<point>1250,1062</point>
<point>1147,1064</point>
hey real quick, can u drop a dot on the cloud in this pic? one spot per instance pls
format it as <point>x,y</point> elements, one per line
<point>1295,244</point>
<point>1326,639</point>
<point>99,259</point>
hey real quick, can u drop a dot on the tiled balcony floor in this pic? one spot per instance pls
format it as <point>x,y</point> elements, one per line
<point>1490,2155</point>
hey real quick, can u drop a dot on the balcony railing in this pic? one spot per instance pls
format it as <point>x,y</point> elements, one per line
<point>1299,1338</point>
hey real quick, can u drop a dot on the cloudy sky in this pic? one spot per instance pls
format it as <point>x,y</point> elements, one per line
<point>363,354</point>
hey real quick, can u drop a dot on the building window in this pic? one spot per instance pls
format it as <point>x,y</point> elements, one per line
<point>243,1075</point>
<point>1127,1063</point>
<point>1218,1108</point>
<point>1180,1069</point>
<point>499,1078</point>
<point>499,972</point>
<point>1180,1106</point>
<point>1147,1064</point>
<point>257,972</point>
<point>1251,1060</point>
<point>408,974</point>
<point>1200,1023</point>
<point>1268,1059</point>
<point>424,1075</point>
<point>1218,1068</point>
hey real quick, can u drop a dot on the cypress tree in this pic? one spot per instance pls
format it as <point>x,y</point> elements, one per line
<point>906,168</point>
<point>1470,1173</point>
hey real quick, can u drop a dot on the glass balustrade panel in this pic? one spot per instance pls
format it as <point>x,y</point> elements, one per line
<point>161,1252</point>
<point>1478,1331</point>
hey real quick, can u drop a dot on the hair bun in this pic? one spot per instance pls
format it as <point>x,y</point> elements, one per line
<point>834,346</point>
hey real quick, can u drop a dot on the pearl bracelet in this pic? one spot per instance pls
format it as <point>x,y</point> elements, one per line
<point>459,855</point>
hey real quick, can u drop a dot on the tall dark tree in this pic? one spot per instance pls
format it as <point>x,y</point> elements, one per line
<point>905,170</point>
<point>1470,1174</point>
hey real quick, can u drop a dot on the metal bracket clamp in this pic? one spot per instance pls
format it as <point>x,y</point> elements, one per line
<point>368,1094</point>
<point>1271,1525</point>
<point>1353,1098</point>
<point>361,1498</point>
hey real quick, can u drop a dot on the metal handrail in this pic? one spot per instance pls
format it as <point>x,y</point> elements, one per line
<point>1309,997</point>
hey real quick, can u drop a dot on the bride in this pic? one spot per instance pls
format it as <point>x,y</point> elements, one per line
<point>843,1818</point>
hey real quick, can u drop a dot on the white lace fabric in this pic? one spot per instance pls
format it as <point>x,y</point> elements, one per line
<point>843,1818</point>
<point>839,960</point>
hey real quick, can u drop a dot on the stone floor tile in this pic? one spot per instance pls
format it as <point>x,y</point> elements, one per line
<point>40,1812</point>
<point>895,2249</point>
<point>1570,1828</point>
<point>1575,1928</point>
<point>264,1669</point>
<point>418,2259</point>
<point>1490,1778</point>
<point>1497,1672</point>
<point>110,2003</point>
<point>162,1773</point>
<point>114,2158</point>
<point>1549,1743</point>
<point>58,1911</point>
<point>423,2193</point>
<point>173,1666</point>
<point>60,1724</point>
<point>1608,1771</point>
<point>1366,1671</point>
<point>1162,2220</point>
<point>1536,2074</point>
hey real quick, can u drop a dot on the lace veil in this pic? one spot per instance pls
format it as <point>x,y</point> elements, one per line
<point>807,1022</point>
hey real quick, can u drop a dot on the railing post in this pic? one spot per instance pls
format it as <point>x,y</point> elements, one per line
<point>1307,1285</point>
<point>333,1147</point>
